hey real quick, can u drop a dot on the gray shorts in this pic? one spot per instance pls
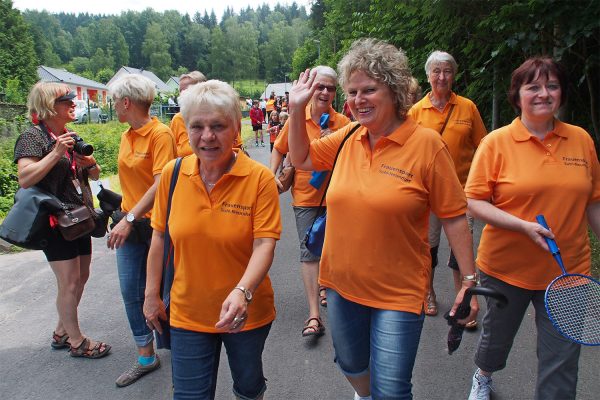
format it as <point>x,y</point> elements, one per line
<point>557,356</point>
<point>304,219</point>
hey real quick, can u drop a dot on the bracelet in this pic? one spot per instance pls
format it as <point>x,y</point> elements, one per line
<point>471,278</point>
<point>95,165</point>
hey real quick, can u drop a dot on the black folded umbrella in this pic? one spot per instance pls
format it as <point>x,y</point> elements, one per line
<point>456,330</point>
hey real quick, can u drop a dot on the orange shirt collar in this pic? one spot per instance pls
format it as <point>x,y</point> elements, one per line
<point>427,100</point>
<point>145,130</point>
<point>399,136</point>
<point>521,134</point>
<point>242,166</point>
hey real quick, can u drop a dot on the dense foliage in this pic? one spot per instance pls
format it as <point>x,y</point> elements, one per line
<point>18,61</point>
<point>488,38</point>
<point>254,44</point>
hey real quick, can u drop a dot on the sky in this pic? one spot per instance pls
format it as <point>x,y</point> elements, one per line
<point>116,6</point>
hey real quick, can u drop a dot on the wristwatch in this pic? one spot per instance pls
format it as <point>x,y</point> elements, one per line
<point>471,278</point>
<point>247,293</point>
<point>130,218</point>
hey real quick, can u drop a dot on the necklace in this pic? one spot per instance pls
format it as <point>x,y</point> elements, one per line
<point>210,185</point>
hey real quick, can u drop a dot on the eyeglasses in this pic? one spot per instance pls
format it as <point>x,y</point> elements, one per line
<point>321,88</point>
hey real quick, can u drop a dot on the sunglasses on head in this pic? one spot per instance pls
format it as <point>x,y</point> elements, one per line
<point>65,97</point>
<point>321,88</point>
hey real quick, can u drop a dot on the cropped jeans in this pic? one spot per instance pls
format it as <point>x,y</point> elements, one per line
<point>195,362</point>
<point>131,265</point>
<point>382,343</point>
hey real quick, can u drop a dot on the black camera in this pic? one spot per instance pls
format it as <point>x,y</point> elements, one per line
<point>82,147</point>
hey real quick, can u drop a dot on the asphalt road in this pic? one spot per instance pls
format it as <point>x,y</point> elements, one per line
<point>296,368</point>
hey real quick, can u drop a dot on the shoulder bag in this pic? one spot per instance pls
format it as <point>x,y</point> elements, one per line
<point>163,340</point>
<point>27,224</point>
<point>315,235</point>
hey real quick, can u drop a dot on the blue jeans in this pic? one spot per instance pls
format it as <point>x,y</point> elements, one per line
<point>380,342</point>
<point>195,362</point>
<point>131,265</point>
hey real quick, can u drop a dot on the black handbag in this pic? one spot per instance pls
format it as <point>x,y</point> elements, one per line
<point>141,232</point>
<point>27,224</point>
<point>163,340</point>
<point>315,235</point>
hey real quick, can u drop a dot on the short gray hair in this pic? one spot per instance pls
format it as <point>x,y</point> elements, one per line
<point>136,87</point>
<point>383,62</point>
<point>195,76</point>
<point>438,57</point>
<point>215,95</point>
<point>326,71</point>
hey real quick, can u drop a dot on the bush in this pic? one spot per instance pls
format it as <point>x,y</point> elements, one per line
<point>106,139</point>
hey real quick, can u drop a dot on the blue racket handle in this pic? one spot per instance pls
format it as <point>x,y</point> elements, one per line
<point>551,243</point>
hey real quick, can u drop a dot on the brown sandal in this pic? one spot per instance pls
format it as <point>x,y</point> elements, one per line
<point>431,308</point>
<point>323,296</point>
<point>59,341</point>
<point>313,330</point>
<point>84,350</point>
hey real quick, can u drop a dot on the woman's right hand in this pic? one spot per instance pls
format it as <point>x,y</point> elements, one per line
<point>537,233</point>
<point>302,90</point>
<point>64,142</point>
<point>278,183</point>
<point>154,311</point>
<point>117,236</point>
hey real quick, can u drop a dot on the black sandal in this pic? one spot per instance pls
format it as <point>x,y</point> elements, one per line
<point>60,341</point>
<point>313,330</point>
<point>84,350</point>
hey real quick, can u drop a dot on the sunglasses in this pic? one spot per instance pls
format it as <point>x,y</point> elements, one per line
<point>321,88</point>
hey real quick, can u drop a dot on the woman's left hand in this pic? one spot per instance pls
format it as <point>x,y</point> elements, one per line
<point>302,90</point>
<point>474,306</point>
<point>234,312</point>
<point>84,161</point>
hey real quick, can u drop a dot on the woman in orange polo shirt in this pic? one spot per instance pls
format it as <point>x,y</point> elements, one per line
<point>535,165</point>
<point>177,125</point>
<point>389,175</point>
<point>145,149</point>
<point>224,223</point>
<point>307,197</point>
<point>457,120</point>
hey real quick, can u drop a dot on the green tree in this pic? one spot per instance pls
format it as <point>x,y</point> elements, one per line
<point>104,75</point>
<point>155,50</point>
<point>18,62</point>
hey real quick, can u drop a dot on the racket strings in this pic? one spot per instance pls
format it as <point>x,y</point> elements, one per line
<point>573,304</point>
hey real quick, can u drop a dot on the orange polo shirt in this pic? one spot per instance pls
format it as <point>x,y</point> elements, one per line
<point>270,106</point>
<point>143,154</point>
<point>303,193</point>
<point>213,237</point>
<point>182,139</point>
<point>376,249</point>
<point>462,134</point>
<point>558,177</point>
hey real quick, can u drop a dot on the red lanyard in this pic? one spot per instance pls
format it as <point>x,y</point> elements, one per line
<point>67,154</point>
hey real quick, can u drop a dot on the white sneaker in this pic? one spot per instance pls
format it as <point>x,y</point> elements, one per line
<point>482,387</point>
<point>357,397</point>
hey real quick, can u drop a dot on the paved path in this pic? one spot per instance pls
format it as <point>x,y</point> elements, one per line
<point>296,368</point>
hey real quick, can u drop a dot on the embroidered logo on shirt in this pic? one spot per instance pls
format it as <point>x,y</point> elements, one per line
<point>574,161</point>
<point>405,176</point>
<point>237,209</point>
<point>140,154</point>
<point>463,122</point>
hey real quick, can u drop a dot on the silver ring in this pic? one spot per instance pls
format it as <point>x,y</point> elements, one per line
<point>108,236</point>
<point>237,320</point>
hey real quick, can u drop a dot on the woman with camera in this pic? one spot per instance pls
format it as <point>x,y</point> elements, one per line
<point>145,149</point>
<point>45,157</point>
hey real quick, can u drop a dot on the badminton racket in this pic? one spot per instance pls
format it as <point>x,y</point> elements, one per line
<point>572,301</point>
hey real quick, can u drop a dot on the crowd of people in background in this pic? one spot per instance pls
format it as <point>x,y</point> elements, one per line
<point>402,164</point>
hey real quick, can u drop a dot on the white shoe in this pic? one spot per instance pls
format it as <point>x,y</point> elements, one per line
<point>357,397</point>
<point>482,387</point>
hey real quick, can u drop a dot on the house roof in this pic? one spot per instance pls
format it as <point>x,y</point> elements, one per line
<point>160,85</point>
<point>278,88</point>
<point>174,79</point>
<point>48,74</point>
